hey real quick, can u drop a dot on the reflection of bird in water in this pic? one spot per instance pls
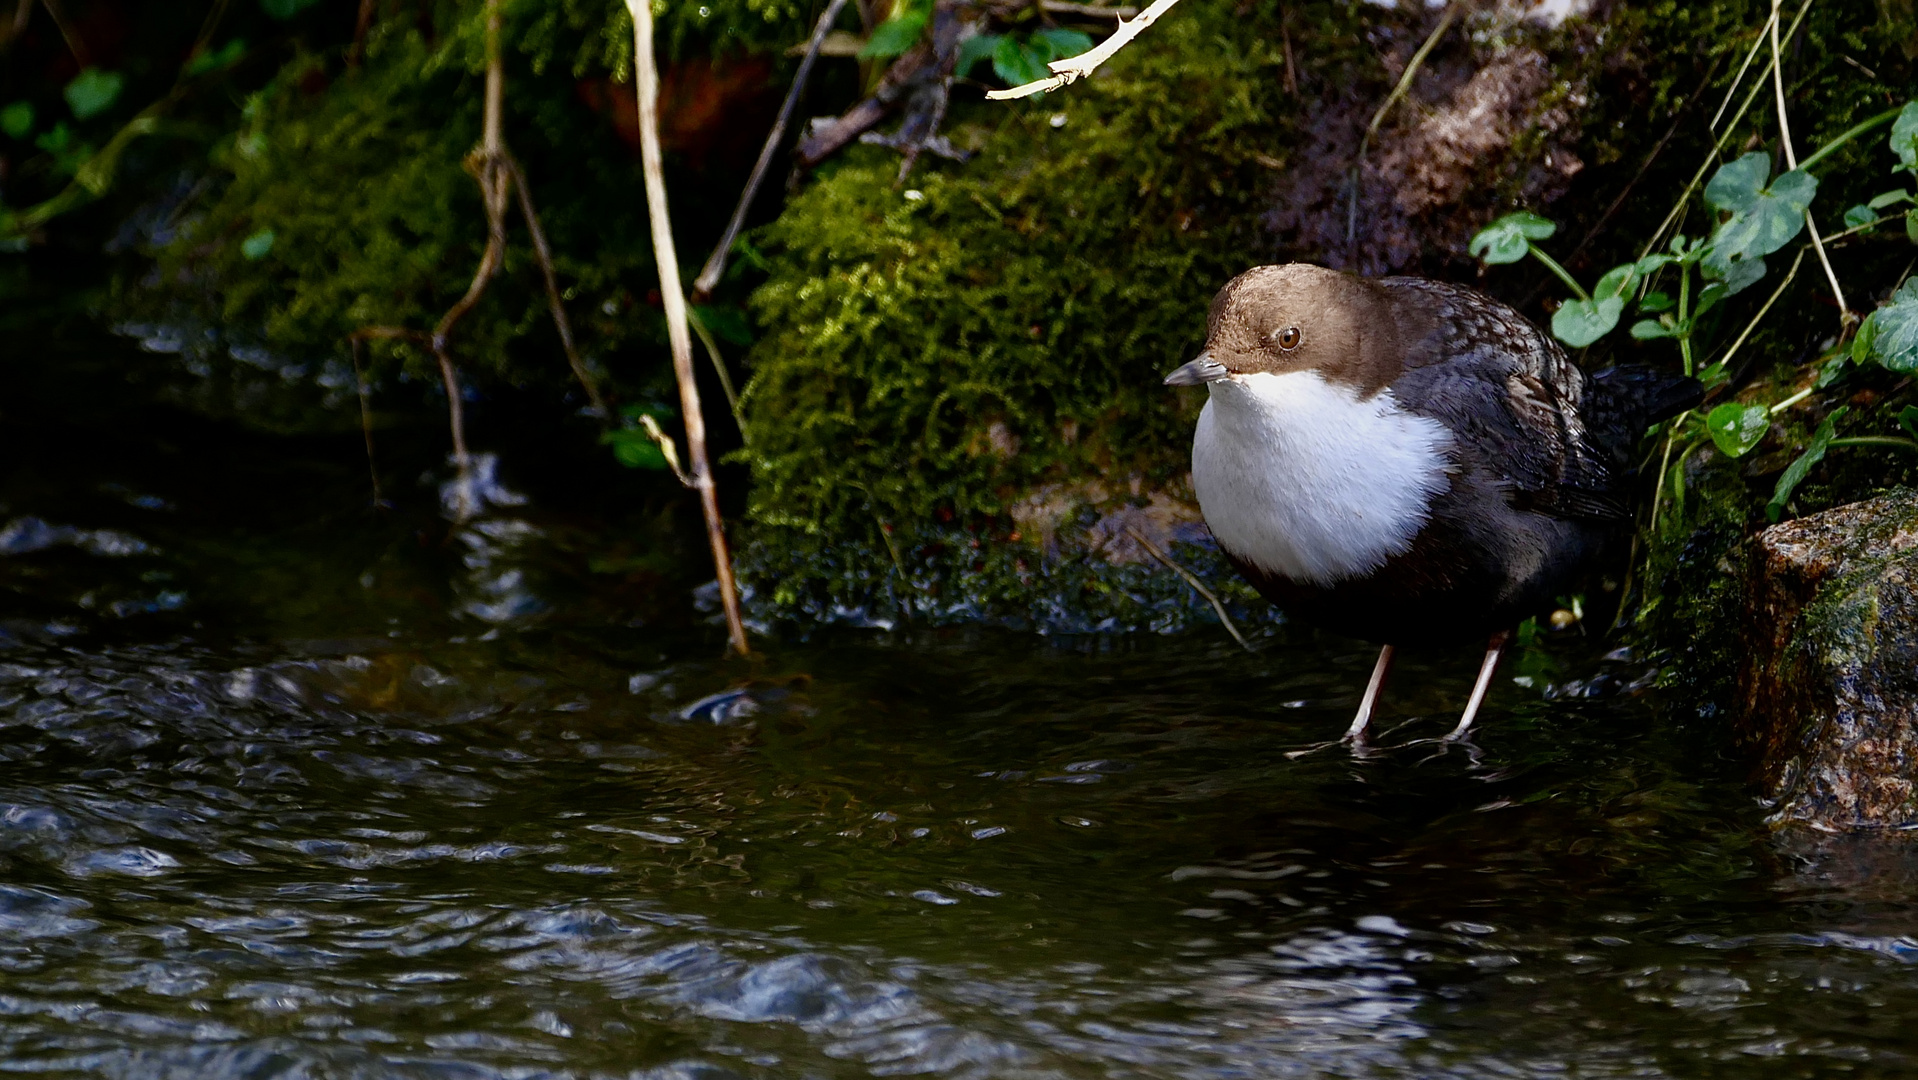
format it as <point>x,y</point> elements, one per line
<point>1407,461</point>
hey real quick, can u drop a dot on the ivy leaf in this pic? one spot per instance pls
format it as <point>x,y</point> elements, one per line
<point>1894,339</point>
<point>1904,137</point>
<point>215,59</point>
<point>1737,276</point>
<point>896,35</point>
<point>1655,302</point>
<point>1018,65</point>
<point>1737,428</point>
<point>976,48</point>
<point>1509,238</point>
<point>1617,281</point>
<point>1859,215</point>
<point>1578,323</point>
<point>93,92</point>
<point>1648,329</point>
<point>257,246</point>
<point>1064,42</point>
<point>285,9</point>
<point>1764,217</point>
<point>1796,472</point>
<point>17,119</point>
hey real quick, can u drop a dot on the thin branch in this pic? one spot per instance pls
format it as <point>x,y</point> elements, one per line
<point>719,368</point>
<point>74,44</point>
<point>646,78</point>
<point>544,252</point>
<point>1073,68</point>
<point>715,266</point>
<point>1756,319</point>
<point>1404,84</point>
<point>1197,586</point>
<point>366,419</point>
<point>1845,317</point>
<point>1096,11</point>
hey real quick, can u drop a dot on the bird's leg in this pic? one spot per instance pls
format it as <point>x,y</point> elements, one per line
<point>1356,733</point>
<point>1494,649</point>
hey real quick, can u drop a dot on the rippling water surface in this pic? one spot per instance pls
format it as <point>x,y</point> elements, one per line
<point>270,807</point>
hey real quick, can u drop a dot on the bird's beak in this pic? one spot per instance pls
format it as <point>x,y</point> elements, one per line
<point>1200,371</point>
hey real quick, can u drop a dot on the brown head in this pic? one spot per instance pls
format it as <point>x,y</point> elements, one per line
<point>1299,317</point>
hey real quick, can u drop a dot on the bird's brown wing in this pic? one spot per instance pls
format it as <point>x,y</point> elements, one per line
<point>1510,396</point>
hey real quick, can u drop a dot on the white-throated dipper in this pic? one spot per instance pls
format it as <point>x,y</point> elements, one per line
<point>1407,461</point>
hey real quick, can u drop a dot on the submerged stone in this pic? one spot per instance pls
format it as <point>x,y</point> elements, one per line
<point>1830,681</point>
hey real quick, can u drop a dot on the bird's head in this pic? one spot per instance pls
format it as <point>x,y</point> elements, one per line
<point>1296,317</point>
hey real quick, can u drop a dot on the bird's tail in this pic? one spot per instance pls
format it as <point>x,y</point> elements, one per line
<point>1625,399</point>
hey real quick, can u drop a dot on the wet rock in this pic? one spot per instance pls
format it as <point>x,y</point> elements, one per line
<point>1830,681</point>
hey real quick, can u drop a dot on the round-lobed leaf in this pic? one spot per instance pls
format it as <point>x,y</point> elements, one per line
<point>1894,338</point>
<point>1578,323</point>
<point>93,92</point>
<point>1510,237</point>
<point>1736,428</point>
<point>1904,136</point>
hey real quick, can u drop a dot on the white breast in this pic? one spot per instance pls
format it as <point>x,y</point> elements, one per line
<point>1301,478</point>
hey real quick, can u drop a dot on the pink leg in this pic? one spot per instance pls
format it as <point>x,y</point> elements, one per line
<point>1356,733</point>
<point>1494,649</point>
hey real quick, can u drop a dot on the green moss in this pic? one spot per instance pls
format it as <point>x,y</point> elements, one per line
<point>934,351</point>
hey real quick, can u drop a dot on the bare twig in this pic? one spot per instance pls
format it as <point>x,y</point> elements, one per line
<point>646,76</point>
<point>1197,586</point>
<point>1411,71</point>
<point>1074,68</point>
<point>708,278</point>
<point>361,26</point>
<point>554,303</point>
<point>75,45</point>
<point>719,368</point>
<point>1845,317</point>
<point>366,419</point>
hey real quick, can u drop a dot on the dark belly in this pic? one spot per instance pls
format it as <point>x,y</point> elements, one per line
<point>1452,587</point>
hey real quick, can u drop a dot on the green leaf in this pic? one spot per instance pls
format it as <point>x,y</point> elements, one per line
<point>1655,302</point>
<point>1904,136</point>
<point>1861,342</point>
<point>1064,42</point>
<point>1908,419</point>
<point>1796,472</point>
<point>56,140</point>
<point>1764,218</point>
<point>93,92</point>
<point>1578,323</point>
<point>895,35</point>
<point>1617,281</point>
<point>17,119</point>
<point>285,9</point>
<point>257,246</point>
<point>1859,215</point>
<point>1737,276</point>
<point>1911,225</point>
<point>1712,293</point>
<point>1648,329</point>
<point>214,59</point>
<point>1652,263</point>
<point>1509,238</point>
<point>1895,329</point>
<point>976,48</point>
<point>633,448</point>
<point>1737,428</point>
<point>725,322</point>
<point>1889,198</point>
<point>1018,65</point>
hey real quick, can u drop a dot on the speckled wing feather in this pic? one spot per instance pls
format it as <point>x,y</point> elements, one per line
<point>1511,397</point>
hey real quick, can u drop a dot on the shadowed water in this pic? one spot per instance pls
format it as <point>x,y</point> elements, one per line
<point>280,799</point>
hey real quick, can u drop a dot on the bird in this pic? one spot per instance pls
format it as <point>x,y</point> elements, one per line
<point>1408,461</point>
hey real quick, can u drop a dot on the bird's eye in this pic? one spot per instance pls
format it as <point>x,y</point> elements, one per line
<point>1289,338</point>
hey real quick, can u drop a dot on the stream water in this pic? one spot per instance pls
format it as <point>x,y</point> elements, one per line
<point>290,789</point>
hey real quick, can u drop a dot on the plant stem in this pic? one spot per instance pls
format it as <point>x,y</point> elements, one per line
<point>1684,306</point>
<point>1856,130</point>
<point>1756,319</point>
<point>1563,274</point>
<point>1792,400</point>
<point>1877,440</point>
<point>646,78</point>
<point>1845,317</point>
<point>1378,117</point>
<point>708,278</point>
<point>719,368</point>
